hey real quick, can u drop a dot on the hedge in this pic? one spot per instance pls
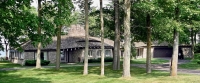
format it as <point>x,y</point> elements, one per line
<point>33,62</point>
<point>107,59</point>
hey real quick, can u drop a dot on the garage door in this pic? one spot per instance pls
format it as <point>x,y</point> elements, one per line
<point>162,52</point>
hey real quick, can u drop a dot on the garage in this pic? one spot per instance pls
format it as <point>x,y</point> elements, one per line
<point>162,52</point>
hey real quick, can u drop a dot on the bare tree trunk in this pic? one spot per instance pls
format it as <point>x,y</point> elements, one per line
<point>116,57</point>
<point>192,41</point>
<point>102,39</point>
<point>58,48</point>
<point>174,61</point>
<point>85,72</point>
<point>6,43</point>
<point>148,59</point>
<point>127,36</point>
<point>38,62</point>
<point>195,37</point>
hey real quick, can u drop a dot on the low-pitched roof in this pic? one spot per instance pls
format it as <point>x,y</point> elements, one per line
<point>155,43</point>
<point>74,39</point>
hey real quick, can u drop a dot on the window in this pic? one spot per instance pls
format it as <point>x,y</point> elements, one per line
<point>62,55</point>
<point>107,53</point>
<point>43,56</point>
<point>21,55</point>
<point>90,53</point>
<point>99,53</point>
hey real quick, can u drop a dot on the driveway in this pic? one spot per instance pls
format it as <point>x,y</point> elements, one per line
<point>166,67</point>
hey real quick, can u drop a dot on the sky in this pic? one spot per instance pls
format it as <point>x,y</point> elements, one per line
<point>95,3</point>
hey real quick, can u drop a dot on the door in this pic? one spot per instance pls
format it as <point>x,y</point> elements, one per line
<point>162,52</point>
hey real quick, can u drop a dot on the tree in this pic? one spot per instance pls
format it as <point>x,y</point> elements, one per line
<point>116,56</point>
<point>85,71</point>
<point>6,45</point>
<point>127,37</point>
<point>102,39</point>
<point>38,61</point>
<point>174,60</point>
<point>148,59</point>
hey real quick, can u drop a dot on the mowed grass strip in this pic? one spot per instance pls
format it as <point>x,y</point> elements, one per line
<point>191,65</point>
<point>74,75</point>
<point>7,64</point>
<point>153,61</point>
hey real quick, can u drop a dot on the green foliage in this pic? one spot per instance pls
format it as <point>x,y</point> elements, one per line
<point>106,59</point>
<point>33,62</point>
<point>197,48</point>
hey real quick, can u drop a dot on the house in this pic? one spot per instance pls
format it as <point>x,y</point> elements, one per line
<point>72,48</point>
<point>158,50</point>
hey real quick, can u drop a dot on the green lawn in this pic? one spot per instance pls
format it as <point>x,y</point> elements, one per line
<point>74,75</point>
<point>191,65</point>
<point>153,61</point>
<point>6,64</point>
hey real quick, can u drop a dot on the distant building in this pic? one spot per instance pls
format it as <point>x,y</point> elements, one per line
<point>72,48</point>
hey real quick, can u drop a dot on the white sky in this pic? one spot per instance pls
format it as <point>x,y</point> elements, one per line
<point>95,3</point>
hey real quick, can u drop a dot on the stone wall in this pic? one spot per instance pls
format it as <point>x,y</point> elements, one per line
<point>52,56</point>
<point>77,54</point>
<point>187,52</point>
<point>29,55</point>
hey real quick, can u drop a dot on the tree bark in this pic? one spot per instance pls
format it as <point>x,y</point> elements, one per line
<point>127,36</point>
<point>148,59</point>
<point>58,48</point>
<point>38,62</point>
<point>116,57</point>
<point>85,72</point>
<point>102,39</point>
<point>174,61</point>
<point>192,41</point>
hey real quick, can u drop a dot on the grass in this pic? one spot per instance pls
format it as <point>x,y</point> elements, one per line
<point>6,64</point>
<point>153,61</point>
<point>191,65</point>
<point>74,75</point>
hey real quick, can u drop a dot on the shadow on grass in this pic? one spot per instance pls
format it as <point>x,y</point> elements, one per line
<point>136,72</point>
<point>11,77</point>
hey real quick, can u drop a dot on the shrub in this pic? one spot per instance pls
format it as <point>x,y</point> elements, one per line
<point>33,62</point>
<point>107,59</point>
<point>197,56</point>
<point>197,48</point>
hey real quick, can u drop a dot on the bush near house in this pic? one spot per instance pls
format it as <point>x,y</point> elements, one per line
<point>33,62</point>
<point>197,48</point>
<point>197,57</point>
<point>107,59</point>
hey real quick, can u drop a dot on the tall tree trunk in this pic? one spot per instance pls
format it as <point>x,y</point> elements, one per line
<point>148,59</point>
<point>58,48</point>
<point>38,62</point>
<point>192,41</point>
<point>116,57</point>
<point>127,37</point>
<point>6,43</point>
<point>102,39</point>
<point>85,72</point>
<point>174,60</point>
<point>195,37</point>
<point>58,39</point>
